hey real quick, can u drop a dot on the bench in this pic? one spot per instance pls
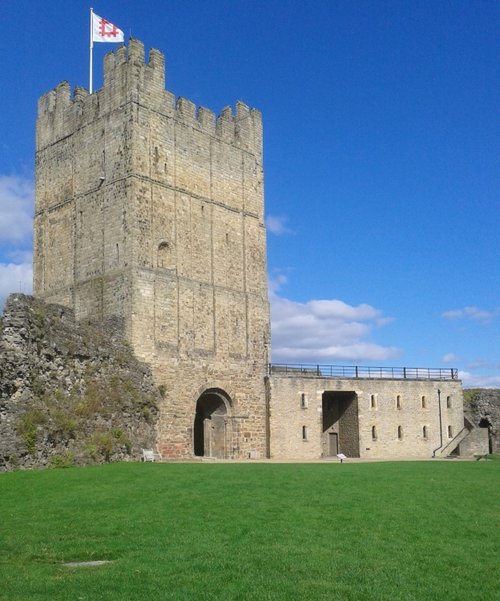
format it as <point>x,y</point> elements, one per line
<point>149,455</point>
<point>479,456</point>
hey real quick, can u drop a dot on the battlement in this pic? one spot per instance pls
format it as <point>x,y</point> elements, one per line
<point>128,79</point>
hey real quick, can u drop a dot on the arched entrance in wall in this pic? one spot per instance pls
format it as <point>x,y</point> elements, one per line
<point>211,433</point>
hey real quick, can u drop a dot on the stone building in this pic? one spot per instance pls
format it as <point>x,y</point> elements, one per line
<point>151,209</point>
<point>366,412</point>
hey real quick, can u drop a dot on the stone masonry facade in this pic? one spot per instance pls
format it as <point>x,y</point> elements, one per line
<point>386,418</point>
<point>151,210</point>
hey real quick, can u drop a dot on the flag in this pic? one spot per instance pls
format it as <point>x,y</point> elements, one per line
<point>104,31</point>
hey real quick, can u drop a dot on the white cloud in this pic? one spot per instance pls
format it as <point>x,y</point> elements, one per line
<point>450,358</point>
<point>16,209</point>
<point>276,282</point>
<point>483,364</point>
<point>479,381</point>
<point>277,225</point>
<point>324,330</point>
<point>472,313</point>
<point>15,278</point>
<point>16,227</point>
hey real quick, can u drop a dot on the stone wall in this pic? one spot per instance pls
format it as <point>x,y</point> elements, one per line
<point>70,393</point>
<point>391,416</point>
<point>476,443</point>
<point>482,407</point>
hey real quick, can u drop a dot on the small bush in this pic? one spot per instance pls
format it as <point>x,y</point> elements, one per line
<point>37,386</point>
<point>27,427</point>
<point>101,445</point>
<point>14,461</point>
<point>146,414</point>
<point>63,460</point>
<point>64,422</point>
<point>122,438</point>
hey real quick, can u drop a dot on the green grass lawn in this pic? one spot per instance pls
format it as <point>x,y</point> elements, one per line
<point>361,532</point>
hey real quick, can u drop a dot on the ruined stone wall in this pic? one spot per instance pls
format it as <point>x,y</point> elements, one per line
<point>482,407</point>
<point>151,209</point>
<point>378,408</point>
<point>70,393</point>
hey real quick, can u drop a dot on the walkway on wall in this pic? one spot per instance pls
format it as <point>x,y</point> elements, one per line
<point>361,372</point>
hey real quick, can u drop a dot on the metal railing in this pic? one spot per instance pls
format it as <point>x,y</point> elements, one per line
<point>360,372</point>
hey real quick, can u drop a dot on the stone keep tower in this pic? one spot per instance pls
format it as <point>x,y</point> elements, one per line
<point>152,210</point>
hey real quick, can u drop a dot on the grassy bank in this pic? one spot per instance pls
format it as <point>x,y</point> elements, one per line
<point>361,532</point>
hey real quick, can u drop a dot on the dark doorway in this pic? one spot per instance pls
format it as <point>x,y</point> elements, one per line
<point>485,423</point>
<point>340,423</point>
<point>210,424</point>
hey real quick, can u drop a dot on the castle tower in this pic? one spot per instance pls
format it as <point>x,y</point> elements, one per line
<point>152,210</point>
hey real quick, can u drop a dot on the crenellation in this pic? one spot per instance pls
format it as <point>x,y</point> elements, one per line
<point>109,68</point>
<point>156,66</point>
<point>79,94</point>
<point>63,96</point>
<point>244,134</point>
<point>225,125</point>
<point>135,53</point>
<point>206,118</point>
<point>120,55</point>
<point>168,102</point>
<point>47,102</point>
<point>257,131</point>
<point>186,111</point>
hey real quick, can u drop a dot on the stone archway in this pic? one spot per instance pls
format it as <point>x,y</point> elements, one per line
<point>211,435</point>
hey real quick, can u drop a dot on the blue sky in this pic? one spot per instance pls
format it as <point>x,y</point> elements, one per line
<point>381,158</point>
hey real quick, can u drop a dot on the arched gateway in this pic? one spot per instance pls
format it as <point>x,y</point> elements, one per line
<point>212,435</point>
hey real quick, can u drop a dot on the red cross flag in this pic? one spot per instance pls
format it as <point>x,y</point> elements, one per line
<point>104,31</point>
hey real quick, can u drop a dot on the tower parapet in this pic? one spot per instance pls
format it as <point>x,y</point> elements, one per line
<point>126,75</point>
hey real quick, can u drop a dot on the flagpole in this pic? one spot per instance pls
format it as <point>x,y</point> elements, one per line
<point>91,48</point>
